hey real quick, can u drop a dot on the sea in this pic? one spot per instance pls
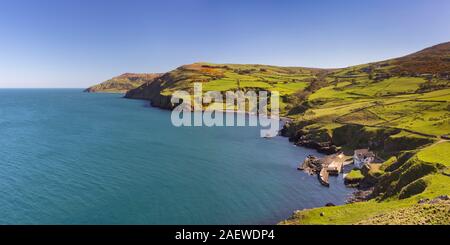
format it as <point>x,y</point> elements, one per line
<point>68,157</point>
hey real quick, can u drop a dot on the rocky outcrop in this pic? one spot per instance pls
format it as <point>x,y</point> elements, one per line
<point>360,195</point>
<point>316,139</point>
<point>311,165</point>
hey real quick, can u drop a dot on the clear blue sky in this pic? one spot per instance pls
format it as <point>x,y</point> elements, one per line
<point>76,43</point>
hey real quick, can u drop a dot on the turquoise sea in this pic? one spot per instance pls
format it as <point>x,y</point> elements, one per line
<point>68,157</point>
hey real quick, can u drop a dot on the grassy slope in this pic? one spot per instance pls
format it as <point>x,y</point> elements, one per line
<point>232,77</point>
<point>410,95</point>
<point>122,83</point>
<point>354,175</point>
<point>393,102</point>
<point>382,94</point>
<point>417,214</point>
<point>398,93</point>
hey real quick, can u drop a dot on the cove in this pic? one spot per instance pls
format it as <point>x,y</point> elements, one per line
<point>69,157</point>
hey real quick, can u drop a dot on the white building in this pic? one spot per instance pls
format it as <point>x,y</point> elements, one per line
<point>362,157</point>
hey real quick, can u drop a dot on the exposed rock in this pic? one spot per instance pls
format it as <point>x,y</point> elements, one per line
<point>360,195</point>
<point>423,200</point>
<point>439,199</point>
<point>151,91</point>
<point>311,165</point>
<point>322,145</point>
<point>354,182</point>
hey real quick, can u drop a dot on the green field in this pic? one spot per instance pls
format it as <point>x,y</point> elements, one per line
<point>231,77</point>
<point>438,153</point>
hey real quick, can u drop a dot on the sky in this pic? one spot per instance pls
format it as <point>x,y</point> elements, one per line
<point>78,43</point>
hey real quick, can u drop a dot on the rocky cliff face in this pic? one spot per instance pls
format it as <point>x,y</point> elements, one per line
<point>318,139</point>
<point>385,141</point>
<point>151,91</point>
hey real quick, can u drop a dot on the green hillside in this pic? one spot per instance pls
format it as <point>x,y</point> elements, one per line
<point>226,77</point>
<point>122,83</point>
<point>387,94</point>
<point>400,108</point>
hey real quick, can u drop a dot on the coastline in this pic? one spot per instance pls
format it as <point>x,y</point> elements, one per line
<point>161,160</point>
<point>283,121</point>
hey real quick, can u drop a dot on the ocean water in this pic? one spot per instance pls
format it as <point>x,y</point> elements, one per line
<point>68,157</point>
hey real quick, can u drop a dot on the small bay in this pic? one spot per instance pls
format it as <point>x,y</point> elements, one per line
<point>68,157</point>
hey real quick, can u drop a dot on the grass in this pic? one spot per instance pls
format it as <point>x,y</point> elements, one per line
<point>224,84</point>
<point>232,77</point>
<point>363,211</point>
<point>354,176</point>
<point>418,214</point>
<point>426,113</point>
<point>438,153</point>
<point>391,102</point>
<point>398,85</point>
<point>347,214</point>
<point>290,88</point>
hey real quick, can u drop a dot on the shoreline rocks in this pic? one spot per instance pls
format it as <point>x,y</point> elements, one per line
<point>360,195</point>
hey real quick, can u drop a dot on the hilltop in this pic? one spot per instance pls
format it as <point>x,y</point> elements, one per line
<point>225,77</point>
<point>122,83</point>
<point>433,60</point>
<point>399,108</point>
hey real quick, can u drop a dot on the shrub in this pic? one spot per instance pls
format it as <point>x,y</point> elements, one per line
<point>412,189</point>
<point>388,163</point>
